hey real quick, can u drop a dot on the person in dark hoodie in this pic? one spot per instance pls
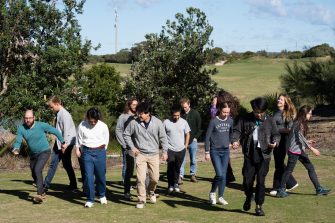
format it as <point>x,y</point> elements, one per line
<point>258,135</point>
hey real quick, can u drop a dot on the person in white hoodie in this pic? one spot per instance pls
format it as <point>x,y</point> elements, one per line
<point>143,137</point>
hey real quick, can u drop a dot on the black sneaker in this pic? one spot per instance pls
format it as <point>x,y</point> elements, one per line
<point>322,191</point>
<point>281,193</point>
<point>247,205</point>
<point>259,211</point>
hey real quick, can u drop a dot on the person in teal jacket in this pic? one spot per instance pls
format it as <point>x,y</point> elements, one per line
<point>34,133</point>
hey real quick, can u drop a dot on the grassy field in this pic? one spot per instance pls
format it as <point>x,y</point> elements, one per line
<point>246,78</point>
<point>188,206</point>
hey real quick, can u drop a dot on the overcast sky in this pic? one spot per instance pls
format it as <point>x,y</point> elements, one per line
<point>239,25</point>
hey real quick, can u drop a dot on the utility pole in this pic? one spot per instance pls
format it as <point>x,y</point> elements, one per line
<point>116,27</point>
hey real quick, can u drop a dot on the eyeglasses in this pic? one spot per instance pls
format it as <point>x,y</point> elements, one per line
<point>27,118</point>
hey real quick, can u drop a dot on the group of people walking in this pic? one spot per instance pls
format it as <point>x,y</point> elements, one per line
<point>141,135</point>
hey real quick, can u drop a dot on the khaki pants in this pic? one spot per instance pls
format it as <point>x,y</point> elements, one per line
<point>146,163</point>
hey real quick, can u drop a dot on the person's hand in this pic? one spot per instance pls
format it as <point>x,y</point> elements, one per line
<point>135,151</point>
<point>16,152</point>
<point>207,156</point>
<point>272,145</point>
<point>64,146</point>
<point>164,156</point>
<point>315,151</point>
<point>78,152</point>
<point>235,145</point>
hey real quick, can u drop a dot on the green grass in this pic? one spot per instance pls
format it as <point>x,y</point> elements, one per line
<point>250,78</point>
<point>189,206</point>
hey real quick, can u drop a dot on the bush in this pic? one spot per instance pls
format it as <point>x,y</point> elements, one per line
<point>319,51</point>
<point>315,80</point>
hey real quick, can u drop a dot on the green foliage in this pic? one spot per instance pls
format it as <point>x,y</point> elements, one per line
<point>314,80</point>
<point>40,50</point>
<point>214,55</point>
<point>272,102</point>
<point>102,85</point>
<point>320,51</point>
<point>171,65</point>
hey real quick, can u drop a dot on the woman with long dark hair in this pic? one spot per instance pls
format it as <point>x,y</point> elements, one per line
<point>296,145</point>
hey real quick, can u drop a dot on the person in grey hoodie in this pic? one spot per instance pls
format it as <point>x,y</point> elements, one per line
<point>143,137</point>
<point>128,160</point>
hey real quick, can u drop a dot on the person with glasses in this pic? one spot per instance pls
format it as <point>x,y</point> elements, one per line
<point>35,134</point>
<point>258,135</point>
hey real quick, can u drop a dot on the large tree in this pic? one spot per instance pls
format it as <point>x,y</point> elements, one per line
<point>171,65</point>
<point>40,49</point>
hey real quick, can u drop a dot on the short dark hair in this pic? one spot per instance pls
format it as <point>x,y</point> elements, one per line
<point>55,99</point>
<point>259,103</point>
<point>144,107</point>
<point>175,109</point>
<point>93,113</point>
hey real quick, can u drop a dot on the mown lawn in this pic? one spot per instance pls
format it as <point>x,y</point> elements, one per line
<point>188,206</point>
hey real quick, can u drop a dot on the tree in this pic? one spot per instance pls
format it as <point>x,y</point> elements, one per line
<point>214,55</point>
<point>320,51</point>
<point>171,65</point>
<point>40,50</point>
<point>101,84</point>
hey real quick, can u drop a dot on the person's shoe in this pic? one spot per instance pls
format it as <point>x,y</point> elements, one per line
<point>103,200</point>
<point>132,187</point>
<point>273,193</point>
<point>281,193</point>
<point>88,204</point>
<point>322,191</point>
<point>44,196</point>
<point>180,180</point>
<point>34,184</point>
<point>212,198</point>
<point>247,205</point>
<point>222,201</point>
<point>194,179</point>
<point>292,188</point>
<point>170,190</point>
<point>140,204</point>
<point>127,196</point>
<point>38,198</point>
<point>153,198</point>
<point>176,188</point>
<point>259,211</point>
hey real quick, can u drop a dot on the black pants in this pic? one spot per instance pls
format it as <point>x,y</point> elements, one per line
<point>56,157</point>
<point>292,161</point>
<point>252,171</point>
<point>279,157</point>
<point>175,160</point>
<point>129,172</point>
<point>37,163</point>
<point>230,175</point>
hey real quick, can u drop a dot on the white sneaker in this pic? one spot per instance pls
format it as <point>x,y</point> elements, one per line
<point>273,193</point>
<point>153,199</point>
<point>170,190</point>
<point>88,204</point>
<point>103,200</point>
<point>140,205</point>
<point>212,198</point>
<point>176,188</point>
<point>292,188</point>
<point>222,201</point>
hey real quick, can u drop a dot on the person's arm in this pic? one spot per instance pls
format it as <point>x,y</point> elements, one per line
<point>275,135</point>
<point>128,132</point>
<point>68,129</point>
<point>208,136</point>
<point>119,132</point>
<point>198,126</point>
<point>79,141</point>
<point>49,129</point>
<point>106,135</point>
<point>237,130</point>
<point>18,141</point>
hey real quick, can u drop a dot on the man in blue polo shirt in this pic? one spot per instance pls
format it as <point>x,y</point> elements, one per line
<point>39,149</point>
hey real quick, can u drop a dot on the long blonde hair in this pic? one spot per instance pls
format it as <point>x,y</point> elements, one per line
<point>289,112</point>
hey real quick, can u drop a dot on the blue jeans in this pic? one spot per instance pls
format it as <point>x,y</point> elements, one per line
<point>124,163</point>
<point>94,161</point>
<point>220,160</point>
<point>192,149</point>
<point>56,156</point>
